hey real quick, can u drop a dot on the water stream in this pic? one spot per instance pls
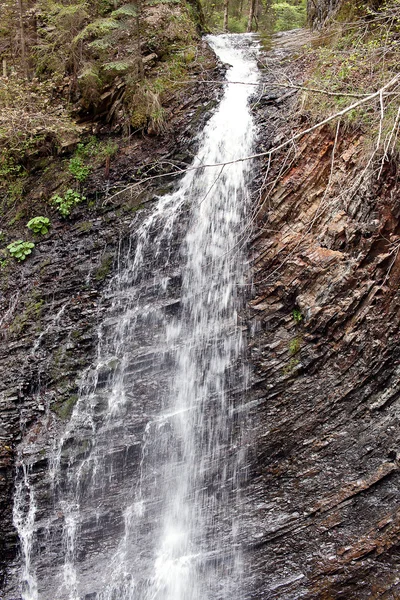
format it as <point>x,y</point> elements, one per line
<point>144,484</point>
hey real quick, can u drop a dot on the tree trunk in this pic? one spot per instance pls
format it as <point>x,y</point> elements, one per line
<point>22,39</point>
<point>138,42</point>
<point>252,9</point>
<point>226,14</point>
<point>251,15</point>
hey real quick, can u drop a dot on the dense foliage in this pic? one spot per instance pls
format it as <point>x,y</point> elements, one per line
<point>266,16</point>
<point>357,54</point>
<point>110,63</point>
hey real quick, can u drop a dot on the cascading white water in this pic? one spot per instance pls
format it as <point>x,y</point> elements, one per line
<point>145,479</point>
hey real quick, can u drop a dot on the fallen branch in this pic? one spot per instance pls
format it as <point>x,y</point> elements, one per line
<point>275,149</point>
<point>300,88</point>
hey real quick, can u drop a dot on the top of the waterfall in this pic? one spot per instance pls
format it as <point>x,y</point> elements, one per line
<point>239,51</point>
<point>234,40</point>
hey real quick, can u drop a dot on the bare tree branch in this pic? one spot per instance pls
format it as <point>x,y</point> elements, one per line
<point>277,148</point>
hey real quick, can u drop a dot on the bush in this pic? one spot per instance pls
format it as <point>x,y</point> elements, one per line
<point>65,204</point>
<point>20,249</point>
<point>39,225</point>
<point>287,16</point>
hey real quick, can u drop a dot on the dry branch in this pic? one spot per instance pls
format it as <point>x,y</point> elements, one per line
<point>275,149</point>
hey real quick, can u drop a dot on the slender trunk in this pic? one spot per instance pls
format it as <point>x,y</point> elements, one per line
<point>4,67</point>
<point>139,45</point>
<point>226,14</point>
<point>251,15</point>
<point>22,38</point>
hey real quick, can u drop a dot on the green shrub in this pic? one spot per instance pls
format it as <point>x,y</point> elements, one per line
<point>297,316</point>
<point>287,16</point>
<point>78,169</point>
<point>65,204</point>
<point>20,249</point>
<point>39,225</point>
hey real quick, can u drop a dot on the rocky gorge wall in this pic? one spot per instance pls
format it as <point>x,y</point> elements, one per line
<point>321,511</point>
<point>325,320</point>
<point>52,303</point>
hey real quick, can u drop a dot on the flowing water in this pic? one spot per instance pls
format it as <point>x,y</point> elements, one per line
<point>144,484</point>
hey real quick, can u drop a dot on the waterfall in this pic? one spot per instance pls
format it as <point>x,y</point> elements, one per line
<point>145,480</point>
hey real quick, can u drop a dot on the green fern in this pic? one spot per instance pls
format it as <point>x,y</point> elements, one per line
<point>118,66</point>
<point>128,10</point>
<point>98,28</point>
<point>101,44</point>
<point>71,10</point>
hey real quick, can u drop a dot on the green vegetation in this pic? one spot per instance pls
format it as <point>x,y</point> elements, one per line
<point>32,312</point>
<point>78,170</point>
<point>66,203</point>
<point>353,60</point>
<point>39,225</point>
<point>290,367</point>
<point>266,16</point>
<point>297,316</point>
<point>105,268</point>
<point>288,15</point>
<point>294,345</point>
<point>20,249</point>
<point>64,408</point>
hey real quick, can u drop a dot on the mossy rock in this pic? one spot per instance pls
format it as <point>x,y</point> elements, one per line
<point>63,408</point>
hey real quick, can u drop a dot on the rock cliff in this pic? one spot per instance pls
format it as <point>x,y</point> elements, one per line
<point>321,514</point>
<point>51,304</point>
<point>325,316</point>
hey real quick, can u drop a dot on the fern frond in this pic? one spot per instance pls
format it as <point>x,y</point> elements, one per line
<point>98,28</point>
<point>128,10</point>
<point>117,66</point>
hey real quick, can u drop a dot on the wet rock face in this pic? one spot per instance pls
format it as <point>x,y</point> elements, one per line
<point>51,304</point>
<point>324,439</point>
<point>321,516</point>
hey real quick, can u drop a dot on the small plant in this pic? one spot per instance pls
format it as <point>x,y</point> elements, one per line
<point>78,169</point>
<point>294,346</point>
<point>39,225</point>
<point>108,150</point>
<point>20,249</point>
<point>65,204</point>
<point>293,363</point>
<point>297,316</point>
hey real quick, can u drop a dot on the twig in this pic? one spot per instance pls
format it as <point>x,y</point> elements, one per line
<point>275,149</point>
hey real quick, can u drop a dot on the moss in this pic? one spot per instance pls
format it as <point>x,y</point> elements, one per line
<point>131,208</point>
<point>105,268</point>
<point>85,226</point>
<point>64,408</point>
<point>31,313</point>
<point>294,345</point>
<point>291,366</point>
<point>21,214</point>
